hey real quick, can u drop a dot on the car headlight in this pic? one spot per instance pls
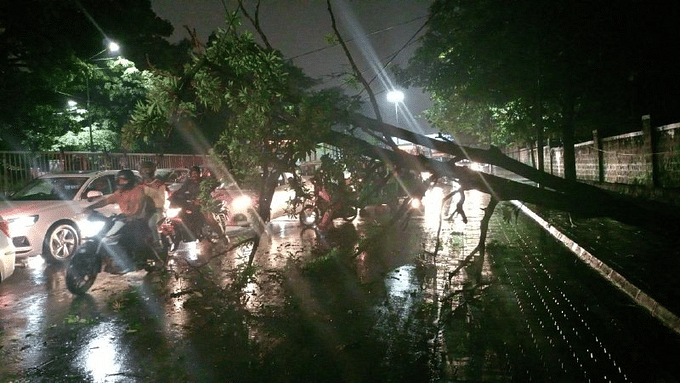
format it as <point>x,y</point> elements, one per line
<point>20,223</point>
<point>172,212</point>
<point>241,202</point>
<point>91,228</point>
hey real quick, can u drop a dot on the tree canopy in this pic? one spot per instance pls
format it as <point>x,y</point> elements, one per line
<point>564,66</point>
<point>46,49</point>
<point>243,103</point>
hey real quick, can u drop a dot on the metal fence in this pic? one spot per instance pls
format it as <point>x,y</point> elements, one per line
<point>16,168</point>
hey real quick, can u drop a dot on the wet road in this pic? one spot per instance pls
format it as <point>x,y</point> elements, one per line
<point>568,321</point>
<point>527,311</point>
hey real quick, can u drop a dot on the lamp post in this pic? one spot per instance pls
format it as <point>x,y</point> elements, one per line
<point>395,96</point>
<point>112,47</point>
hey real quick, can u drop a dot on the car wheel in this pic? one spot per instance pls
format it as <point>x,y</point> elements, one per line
<point>60,243</point>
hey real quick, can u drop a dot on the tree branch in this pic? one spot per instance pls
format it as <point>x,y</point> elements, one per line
<point>357,72</point>
<point>579,199</point>
<point>255,21</point>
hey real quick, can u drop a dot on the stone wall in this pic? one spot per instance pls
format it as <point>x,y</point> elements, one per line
<point>668,154</point>
<point>641,158</point>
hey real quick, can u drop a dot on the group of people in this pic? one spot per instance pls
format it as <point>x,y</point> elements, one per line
<point>145,201</point>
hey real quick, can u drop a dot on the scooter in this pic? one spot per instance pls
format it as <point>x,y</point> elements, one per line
<point>115,245</point>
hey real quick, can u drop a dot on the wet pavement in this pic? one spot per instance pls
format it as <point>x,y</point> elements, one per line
<point>569,320</point>
<point>527,311</point>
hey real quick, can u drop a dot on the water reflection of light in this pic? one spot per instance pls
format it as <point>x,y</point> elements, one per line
<point>401,281</point>
<point>192,251</point>
<point>252,293</point>
<point>432,206</point>
<point>35,314</point>
<point>99,356</point>
<point>35,263</point>
<point>177,316</point>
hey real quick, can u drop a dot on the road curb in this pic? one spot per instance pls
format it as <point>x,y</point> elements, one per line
<point>658,311</point>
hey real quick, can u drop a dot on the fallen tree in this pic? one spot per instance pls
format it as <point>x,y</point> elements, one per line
<point>531,186</point>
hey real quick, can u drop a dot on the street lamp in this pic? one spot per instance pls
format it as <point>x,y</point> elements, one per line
<point>112,47</point>
<point>395,97</point>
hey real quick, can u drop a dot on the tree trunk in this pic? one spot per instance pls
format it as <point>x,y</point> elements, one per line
<point>558,193</point>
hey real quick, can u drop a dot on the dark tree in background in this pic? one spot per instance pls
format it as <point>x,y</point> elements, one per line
<point>44,46</point>
<point>557,66</point>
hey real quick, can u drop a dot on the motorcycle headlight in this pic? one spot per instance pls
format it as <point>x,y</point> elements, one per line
<point>172,212</point>
<point>90,228</point>
<point>241,202</point>
<point>415,203</point>
<point>19,223</point>
<point>308,218</point>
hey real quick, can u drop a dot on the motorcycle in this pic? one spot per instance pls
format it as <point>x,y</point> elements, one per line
<point>184,222</point>
<point>237,205</point>
<point>175,229</point>
<point>115,245</point>
<point>313,211</point>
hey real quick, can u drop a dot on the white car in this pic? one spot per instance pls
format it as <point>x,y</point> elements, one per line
<point>44,215</point>
<point>7,252</point>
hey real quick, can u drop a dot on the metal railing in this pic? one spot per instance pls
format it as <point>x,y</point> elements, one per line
<point>17,168</point>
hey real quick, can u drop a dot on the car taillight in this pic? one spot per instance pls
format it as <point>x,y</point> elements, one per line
<point>4,227</point>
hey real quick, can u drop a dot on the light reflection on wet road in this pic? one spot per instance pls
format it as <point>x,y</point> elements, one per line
<point>35,300</point>
<point>36,310</point>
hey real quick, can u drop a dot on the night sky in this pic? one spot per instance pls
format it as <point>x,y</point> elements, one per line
<point>298,29</point>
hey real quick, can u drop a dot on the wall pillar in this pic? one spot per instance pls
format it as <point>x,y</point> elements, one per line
<point>649,150</point>
<point>597,141</point>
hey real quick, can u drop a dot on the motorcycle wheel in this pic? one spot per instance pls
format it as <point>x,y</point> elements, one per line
<point>349,213</point>
<point>309,216</point>
<point>211,234</point>
<point>82,270</point>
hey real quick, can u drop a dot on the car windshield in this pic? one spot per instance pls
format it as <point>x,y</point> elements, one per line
<point>57,188</point>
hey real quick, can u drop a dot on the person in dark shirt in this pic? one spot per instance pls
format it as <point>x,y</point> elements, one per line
<point>186,197</point>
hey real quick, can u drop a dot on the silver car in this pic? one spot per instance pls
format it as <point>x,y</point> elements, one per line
<point>7,252</point>
<point>44,215</point>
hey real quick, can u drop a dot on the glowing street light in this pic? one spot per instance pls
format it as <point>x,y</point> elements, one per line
<point>112,47</point>
<point>395,97</point>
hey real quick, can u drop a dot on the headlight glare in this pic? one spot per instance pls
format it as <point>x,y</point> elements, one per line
<point>91,228</point>
<point>22,222</point>
<point>172,212</point>
<point>241,202</point>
